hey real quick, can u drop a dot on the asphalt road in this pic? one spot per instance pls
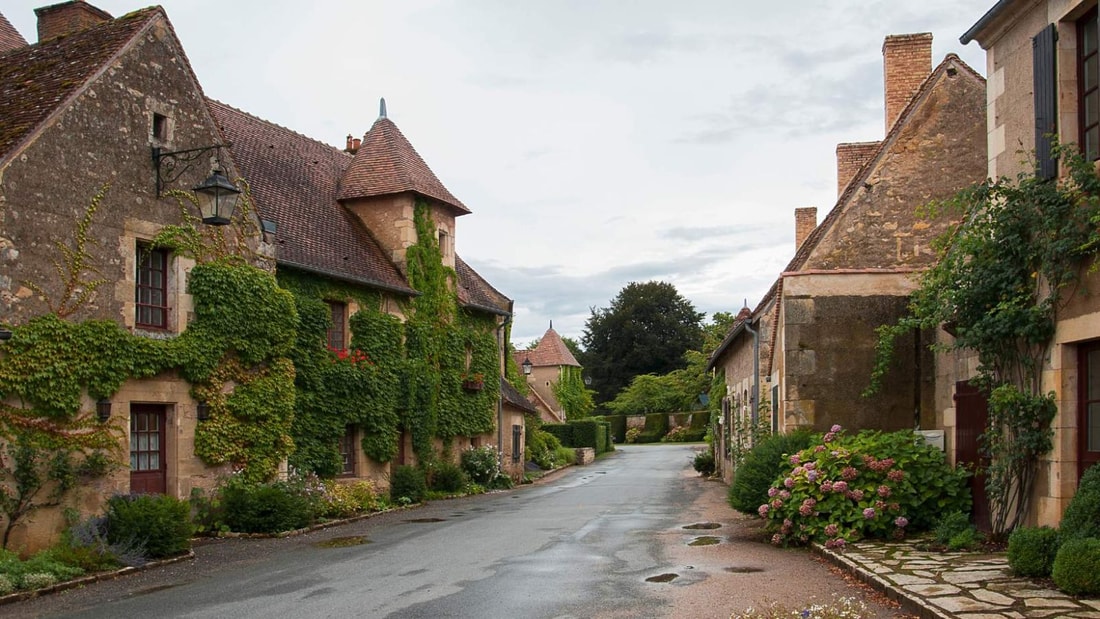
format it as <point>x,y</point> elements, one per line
<point>582,544</point>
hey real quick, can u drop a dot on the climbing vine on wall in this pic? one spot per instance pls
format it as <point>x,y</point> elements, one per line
<point>448,352</point>
<point>575,399</point>
<point>1003,274</point>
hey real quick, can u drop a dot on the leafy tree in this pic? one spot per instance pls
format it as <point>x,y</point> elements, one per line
<point>1001,278</point>
<point>646,330</point>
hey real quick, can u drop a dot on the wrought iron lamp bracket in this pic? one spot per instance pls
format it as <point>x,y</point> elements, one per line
<point>173,164</point>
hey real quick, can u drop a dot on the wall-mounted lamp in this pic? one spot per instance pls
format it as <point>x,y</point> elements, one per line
<point>5,334</point>
<point>203,410</point>
<point>217,196</point>
<point>587,381</point>
<point>103,410</point>
<point>526,365</point>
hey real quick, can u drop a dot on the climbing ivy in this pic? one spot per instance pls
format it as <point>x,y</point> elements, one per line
<point>1002,275</point>
<point>452,366</point>
<point>575,399</point>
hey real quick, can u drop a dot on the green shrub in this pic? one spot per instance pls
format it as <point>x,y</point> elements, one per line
<point>1031,551</point>
<point>343,500</point>
<point>873,484</point>
<point>1082,515</point>
<point>562,431</point>
<point>951,525</point>
<point>407,482</point>
<point>704,462</point>
<point>967,539</point>
<point>1076,567</point>
<point>84,545</point>
<point>632,435</point>
<point>7,586</point>
<point>265,508</point>
<point>159,523</point>
<point>565,455</point>
<point>585,433</point>
<point>541,446</point>
<point>762,466</point>
<point>448,477</point>
<point>482,464</point>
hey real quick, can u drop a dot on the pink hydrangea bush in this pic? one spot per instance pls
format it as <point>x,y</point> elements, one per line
<point>871,485</point>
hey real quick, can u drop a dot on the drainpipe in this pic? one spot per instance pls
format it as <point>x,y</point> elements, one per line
<point>755,370</point>
<point>503,348</point>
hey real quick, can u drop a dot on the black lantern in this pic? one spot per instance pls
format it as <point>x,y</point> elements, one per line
<point>587,381</point>
<point>103,410</point>
<point>217,199</point>
<point>5,334</point>
<point>526,365</point>
<point>203,410</point>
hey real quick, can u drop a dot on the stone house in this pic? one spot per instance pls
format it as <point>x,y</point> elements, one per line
<point>84,112</point>
<point>1042,68</point>
<point>547,360</point>
<point>804,355</point>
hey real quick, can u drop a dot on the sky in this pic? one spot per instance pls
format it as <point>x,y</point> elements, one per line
<point>597,142</point>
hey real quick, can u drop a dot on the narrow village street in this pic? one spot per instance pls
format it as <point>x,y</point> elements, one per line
<point>581,544</point>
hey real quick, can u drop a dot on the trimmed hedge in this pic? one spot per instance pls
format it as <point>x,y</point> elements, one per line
<point>160,524</point>
<point>586,433</point>
<point>561,431</point>
<point>1031,551</point>
<point>617,427</point>
<point>1082,516</point>
<point>656,427</point>
<point>1077,566</point>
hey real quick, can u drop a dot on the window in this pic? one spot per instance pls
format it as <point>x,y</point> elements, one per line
<point>151,294</point>
<point>347,451</point>
<point>336,333</point>
<point>160,127</point>
<point>1088,86</point>
<point>1088,406</point>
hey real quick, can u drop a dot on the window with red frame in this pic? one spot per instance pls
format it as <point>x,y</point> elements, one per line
<point>151,295</point>
<point>1088,85</point>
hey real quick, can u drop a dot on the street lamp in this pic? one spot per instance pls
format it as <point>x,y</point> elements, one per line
<point>216,195</point>
<point>587,381</point>
<point>5,334</point>
<point>103,409</point>
<point>526,365</point>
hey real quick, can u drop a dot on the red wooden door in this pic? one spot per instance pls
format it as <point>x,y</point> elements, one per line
<point>148,469</point>
<point>971,419</point>
<point>1088,407</point>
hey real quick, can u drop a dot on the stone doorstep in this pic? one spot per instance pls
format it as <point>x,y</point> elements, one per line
<point>87,580</point>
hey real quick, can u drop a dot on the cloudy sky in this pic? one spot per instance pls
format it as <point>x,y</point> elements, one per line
<point>598,142</point>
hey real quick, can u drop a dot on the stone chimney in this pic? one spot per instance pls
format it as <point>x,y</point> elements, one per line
<point>907,61</point>
<point>850,157</point>
<point>805,220</point>
<point>353,145</point>
<point>68,17</point>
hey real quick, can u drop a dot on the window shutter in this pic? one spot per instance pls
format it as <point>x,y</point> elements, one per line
<point>1046,100</point>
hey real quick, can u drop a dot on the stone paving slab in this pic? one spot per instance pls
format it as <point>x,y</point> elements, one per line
<point>954,585</point>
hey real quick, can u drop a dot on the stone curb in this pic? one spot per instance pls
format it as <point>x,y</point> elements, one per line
<point>911,603</point>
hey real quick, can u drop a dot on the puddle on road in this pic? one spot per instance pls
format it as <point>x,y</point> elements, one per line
<point>663,578</point>
<point>743,570</point>
<point>156,589</point>
<point>343,542</point>
<point>703,525</point>
<point>424,520</point>
<point>706,540</point>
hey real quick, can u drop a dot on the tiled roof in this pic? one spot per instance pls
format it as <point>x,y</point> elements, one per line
<point>476,293</point>
<point>386,163</point>
<point>550,351</point>
<point>515,398</point>
<point>9,37</point>
<point>36,80</point>
<point>293,181</point>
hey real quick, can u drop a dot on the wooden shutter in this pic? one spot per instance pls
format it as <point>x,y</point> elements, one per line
<point>1046,100</point>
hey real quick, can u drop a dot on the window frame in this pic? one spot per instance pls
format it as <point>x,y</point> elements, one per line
<point>1088,24</point>
<point>145,310</point>
<point>336,335</point>
<point>348,452</point>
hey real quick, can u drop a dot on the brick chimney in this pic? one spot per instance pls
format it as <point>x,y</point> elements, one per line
<point>353,145</point>
<point>805,220</point>
<point>68,17</point>
<point>850,157</point>
<point>907,61</point>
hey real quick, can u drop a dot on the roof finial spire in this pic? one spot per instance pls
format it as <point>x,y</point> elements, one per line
<point>551,323</point>
<point>382,108</point>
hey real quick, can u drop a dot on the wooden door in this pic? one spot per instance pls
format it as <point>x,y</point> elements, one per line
<point>1088,406</point>
<point>971,420</point>
<point>148,466</point>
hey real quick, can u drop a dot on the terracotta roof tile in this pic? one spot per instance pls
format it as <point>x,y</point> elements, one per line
<point>550,351</point>
<point>386,163</point>
<point>9,37</point>
<point>293,180</point>
<point>36,80</point>
<point>515,398</point>
<point>475,292</point>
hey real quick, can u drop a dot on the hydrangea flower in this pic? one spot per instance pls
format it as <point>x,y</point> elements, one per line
<point>763,510</point>
<point>869,513</point>
<point>884,491</point>
<point>831,530</point>
<point>840,486</point>
<point>849,473</point>
<point>900,522</point>
<point>789,482</point>
<point>835,428</point>
<point>773,491</point>
<point>896,475</point>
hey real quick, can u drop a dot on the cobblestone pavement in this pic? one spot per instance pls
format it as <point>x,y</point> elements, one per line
<point>957,585</point>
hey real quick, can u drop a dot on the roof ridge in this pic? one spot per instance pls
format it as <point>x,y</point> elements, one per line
<point>211,100</point>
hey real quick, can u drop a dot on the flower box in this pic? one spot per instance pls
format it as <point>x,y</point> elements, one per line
<point>473,385</point>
